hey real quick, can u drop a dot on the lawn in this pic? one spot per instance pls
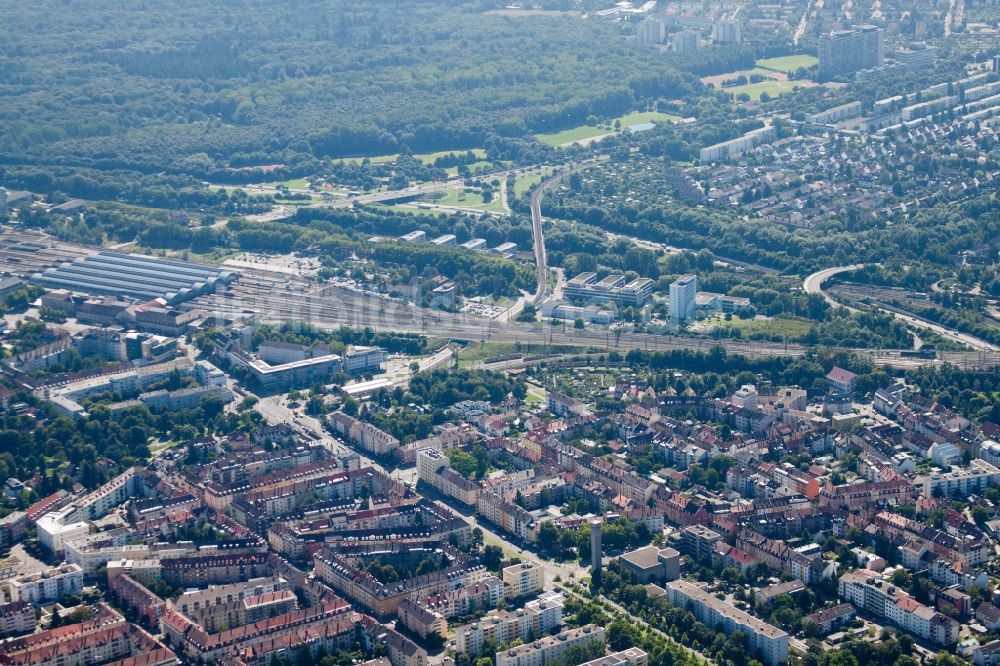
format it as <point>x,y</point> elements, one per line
<point>293,184</point>
<point>584,132</point>
<point>481,164</point>
<point>637,117</point>
<point>526,182</point>
<point>572,135</point>
<point>467,197</point>
<point>429,158</point>
<point>772,88</point>
<point>788,64</point>
<point>378,159</point>
<point>781,326</point>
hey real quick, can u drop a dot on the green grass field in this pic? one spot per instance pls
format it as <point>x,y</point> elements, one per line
<point>293,184</point>
<point>792,327</point>
<point>572,135</point>
<point>481,164</point>
<point>526,182</point>
<point>429,158</point>
<point>584,132</point>
<point>378,159</point>
<point>637,117</point>
<point>788,64</point>
<point>469,198</point>
<point>772,88</point>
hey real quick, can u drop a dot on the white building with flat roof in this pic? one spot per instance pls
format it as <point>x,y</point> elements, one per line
<point>54,529</point>
<point>770,641</point>
<point>683,298</point>
<point>49,585</point>
<point>551,649</point>
<point>960,481</point>
<point>523,579</point>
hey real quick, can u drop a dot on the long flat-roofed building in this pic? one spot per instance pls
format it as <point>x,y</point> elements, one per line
<point>135,276</point>
<point>551,649</point>
<point>616,288</point>
<point>769,640</point>
<point>632,656</point>
<point>537,618</point>
<point>48,585</point>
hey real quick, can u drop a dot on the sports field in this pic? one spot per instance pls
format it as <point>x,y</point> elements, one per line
<point>772,88</point>
<point>591,132</point>
<point>788,64</point>
<point>430,158</point>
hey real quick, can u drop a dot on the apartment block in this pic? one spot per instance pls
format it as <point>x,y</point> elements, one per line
<point>135,596</point>
<point>485,593</point>
<point>770,641</point>
<point>364,435</point>
<point>535,620</point>
<point>699,542</point>
<point>16,617</point>
<point>330,625</point>
<point>224,606</point>
<point>434,469</point>
<point>868,590</point>
<point>107,638</point>
<point>342,572</point>
<point>523,579</point>
<point>551,649</point>
<point>848,51</point>
<point>633,656</point>
<point>49,585</point>
<point>421,620</point>
<point>960,481</point>
<point>508,516</point>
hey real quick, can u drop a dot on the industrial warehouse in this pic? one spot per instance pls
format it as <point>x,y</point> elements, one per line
<point>135,276</point>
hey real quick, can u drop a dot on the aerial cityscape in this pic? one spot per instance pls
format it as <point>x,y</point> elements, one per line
<point>493,333</point>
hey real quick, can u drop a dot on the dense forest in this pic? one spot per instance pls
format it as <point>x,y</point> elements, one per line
<point>197,88</point>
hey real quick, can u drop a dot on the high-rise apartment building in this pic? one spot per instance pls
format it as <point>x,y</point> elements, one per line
<point>683,296</point>
<point>728,32</point>
<point>685,40</point>
<point>651,31</point>
<point>847,51</point>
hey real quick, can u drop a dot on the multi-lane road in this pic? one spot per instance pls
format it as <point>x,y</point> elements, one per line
<point>538,238</point>
<point>814,285</point>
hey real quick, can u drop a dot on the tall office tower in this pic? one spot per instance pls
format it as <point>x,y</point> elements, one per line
<point>847,51</point>
<point>683,292</point>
